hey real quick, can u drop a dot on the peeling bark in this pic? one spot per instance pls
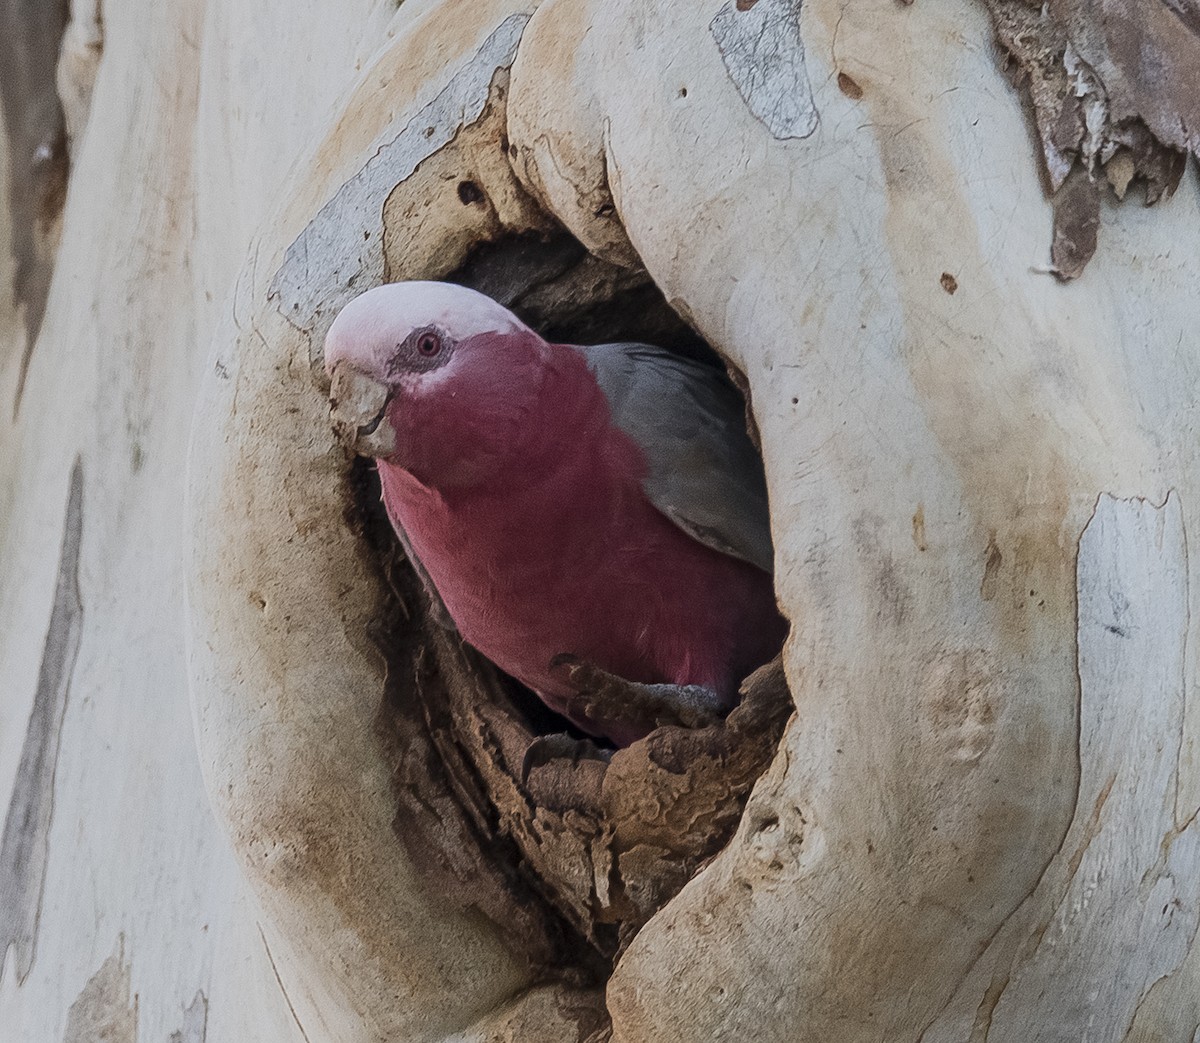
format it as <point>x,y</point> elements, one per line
<point>103,1011</point>
<point>1115,92</point>
<point>341,252</point>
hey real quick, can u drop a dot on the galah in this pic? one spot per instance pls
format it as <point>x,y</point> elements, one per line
<point>580,512</point>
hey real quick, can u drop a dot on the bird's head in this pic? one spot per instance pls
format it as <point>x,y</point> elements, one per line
<point>406,360</point>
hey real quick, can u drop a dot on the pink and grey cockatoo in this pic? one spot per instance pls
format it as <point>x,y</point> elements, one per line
<point>580,512</point>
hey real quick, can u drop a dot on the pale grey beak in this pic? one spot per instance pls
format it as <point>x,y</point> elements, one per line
<point>358,403</point>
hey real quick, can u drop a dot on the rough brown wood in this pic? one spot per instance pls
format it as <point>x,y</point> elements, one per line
<point>1101,106</point>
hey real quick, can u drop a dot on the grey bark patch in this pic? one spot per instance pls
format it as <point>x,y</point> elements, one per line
<point>340,253</point>
<point>26,839</point>
<point>102,1010</point>
<point>195,1021</point>
<point>763,53</point>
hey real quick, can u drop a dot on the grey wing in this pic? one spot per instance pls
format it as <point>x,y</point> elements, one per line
<point>704,473</point>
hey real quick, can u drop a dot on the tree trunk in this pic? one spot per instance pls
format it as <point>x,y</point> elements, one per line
<point>230,817</point>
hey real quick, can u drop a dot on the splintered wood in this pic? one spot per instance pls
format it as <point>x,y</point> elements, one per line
<point>1104,114</point>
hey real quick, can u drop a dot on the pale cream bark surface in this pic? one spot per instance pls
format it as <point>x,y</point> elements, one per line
<point>194,123</point>
<point>934,459</point>
<point>981,824</point>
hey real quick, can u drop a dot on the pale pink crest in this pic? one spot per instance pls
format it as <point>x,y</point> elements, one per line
<point>368,330</point>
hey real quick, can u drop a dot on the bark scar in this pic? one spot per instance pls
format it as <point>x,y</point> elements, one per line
<point>763,53</point>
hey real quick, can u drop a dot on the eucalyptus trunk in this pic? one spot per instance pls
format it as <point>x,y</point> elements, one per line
<point>233,810</point>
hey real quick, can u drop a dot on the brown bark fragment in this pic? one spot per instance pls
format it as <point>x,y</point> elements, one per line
<point>1076,224</point>
<point>1036,46</point>
<point>102,1011</point>
<point>849,86</point>
<point>1114,88</point>
<point>1146,53</point>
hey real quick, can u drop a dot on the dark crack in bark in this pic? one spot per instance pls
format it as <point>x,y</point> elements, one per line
<point>25,846</point>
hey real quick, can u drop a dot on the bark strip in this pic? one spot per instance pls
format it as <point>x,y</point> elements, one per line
<point>26,839</point>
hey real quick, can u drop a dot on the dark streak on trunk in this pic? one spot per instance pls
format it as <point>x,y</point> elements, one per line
<point>25,844</point>
<point>30,35</point>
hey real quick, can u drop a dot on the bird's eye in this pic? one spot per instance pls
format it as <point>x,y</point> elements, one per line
<point>428,345</point>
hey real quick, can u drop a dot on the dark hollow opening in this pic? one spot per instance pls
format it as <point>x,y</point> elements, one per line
<point>569,859</point>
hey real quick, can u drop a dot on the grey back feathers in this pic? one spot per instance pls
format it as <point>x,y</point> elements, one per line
<point>704,473</point>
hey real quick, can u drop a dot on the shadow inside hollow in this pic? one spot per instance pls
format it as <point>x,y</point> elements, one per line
<point>569,857</point>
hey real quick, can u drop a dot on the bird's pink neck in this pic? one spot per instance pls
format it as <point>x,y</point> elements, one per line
<point>503,404</point>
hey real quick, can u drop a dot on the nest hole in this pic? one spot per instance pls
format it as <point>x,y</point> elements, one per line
<point>572,856</point>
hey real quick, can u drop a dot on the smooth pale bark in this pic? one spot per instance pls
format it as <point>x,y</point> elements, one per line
<point>286,684</point>
<point>981,824</point>
<point>934,459</point>
<point>194,124</point>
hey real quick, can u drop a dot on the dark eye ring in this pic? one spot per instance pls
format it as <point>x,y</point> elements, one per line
<point>428,344</point>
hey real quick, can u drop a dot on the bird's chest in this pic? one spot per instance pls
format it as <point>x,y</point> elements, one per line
<point>523,570</point>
